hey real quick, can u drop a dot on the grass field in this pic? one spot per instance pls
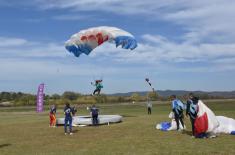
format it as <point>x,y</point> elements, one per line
<point>24,132</point>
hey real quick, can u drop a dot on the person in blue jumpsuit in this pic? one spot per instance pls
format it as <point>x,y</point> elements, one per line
<point>177,108</point>
<point>68,112</point>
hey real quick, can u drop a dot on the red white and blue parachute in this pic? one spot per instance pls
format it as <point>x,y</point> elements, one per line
<point>87,40</point>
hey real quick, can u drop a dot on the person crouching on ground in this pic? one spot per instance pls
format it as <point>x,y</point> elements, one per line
<point>68,118</point>
<point>94,114</point>
<point>52,116</point>
<point>192,109</point>
<point>177,108</point>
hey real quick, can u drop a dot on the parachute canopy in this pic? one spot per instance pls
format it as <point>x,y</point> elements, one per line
<point>87,40</point>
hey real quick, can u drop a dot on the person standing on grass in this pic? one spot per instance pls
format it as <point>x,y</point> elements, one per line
<point>177,108</point>
<point>68,118</point>
<point>191,110</point>
<point>52,116</point>
<point>74,110</point>
<point>149,106</point>
<point>94,114</point>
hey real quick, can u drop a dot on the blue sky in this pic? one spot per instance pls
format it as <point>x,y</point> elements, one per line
<point>182,45</point>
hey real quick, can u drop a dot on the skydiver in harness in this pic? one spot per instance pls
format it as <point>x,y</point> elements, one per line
<point>98,85</point>
<point>147,80</point>
<point>192,109</point>
<point>178,108</point>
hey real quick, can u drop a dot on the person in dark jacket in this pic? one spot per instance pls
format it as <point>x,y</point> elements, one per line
<point>94,114</point>
<point>68,112</point>
<point>192,109</point>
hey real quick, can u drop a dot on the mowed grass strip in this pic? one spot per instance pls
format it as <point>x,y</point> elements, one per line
<point>26,132</point>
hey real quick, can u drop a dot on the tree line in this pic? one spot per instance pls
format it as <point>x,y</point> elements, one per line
<point>21,99</point>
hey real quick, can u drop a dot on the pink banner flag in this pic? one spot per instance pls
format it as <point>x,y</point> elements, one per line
<point>40,98</point>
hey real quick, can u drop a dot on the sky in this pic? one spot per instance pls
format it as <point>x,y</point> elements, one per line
<point>182,45</point>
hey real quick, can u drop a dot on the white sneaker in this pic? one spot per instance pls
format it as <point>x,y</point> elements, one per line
<point>71,133</point>
<point>65,133</point>
<point>212,136</point>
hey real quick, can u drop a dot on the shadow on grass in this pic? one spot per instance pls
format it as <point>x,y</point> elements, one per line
<point>75,130</point>
<point>187,132</point>
<point>128,116</point>
<point>4,145</point>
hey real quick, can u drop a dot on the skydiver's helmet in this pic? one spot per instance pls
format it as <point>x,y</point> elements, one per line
<point>172,97</point>
<point>98,81</point>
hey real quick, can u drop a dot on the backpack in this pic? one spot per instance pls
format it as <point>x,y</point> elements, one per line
<point>180,105</point>
<point>94,111</point>
<point>193,110</point>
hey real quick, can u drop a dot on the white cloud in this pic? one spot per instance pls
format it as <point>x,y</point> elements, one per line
<point>204,20</point>
<point>22,58</point>
<point>207,20</point>
<point>11,42</point>
<point>74,17</point>
<point>38,61</point>
<point>207,44</point>
<point>155,50</point>
<point>19,47</point>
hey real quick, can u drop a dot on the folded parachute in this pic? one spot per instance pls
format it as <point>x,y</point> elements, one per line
<point>87,40</point>
<point>168,126</point>
<point>206,120</point>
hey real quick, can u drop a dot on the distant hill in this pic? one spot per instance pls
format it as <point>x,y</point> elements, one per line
<point>165,93</point>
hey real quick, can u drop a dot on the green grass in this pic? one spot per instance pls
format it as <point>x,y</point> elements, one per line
<point>24,132</point>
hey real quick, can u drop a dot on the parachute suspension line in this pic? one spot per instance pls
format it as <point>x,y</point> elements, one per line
<point>101,77</point>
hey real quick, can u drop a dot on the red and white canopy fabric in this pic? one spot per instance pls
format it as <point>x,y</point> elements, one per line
<point>206,120</point>
<point>226,125</point>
